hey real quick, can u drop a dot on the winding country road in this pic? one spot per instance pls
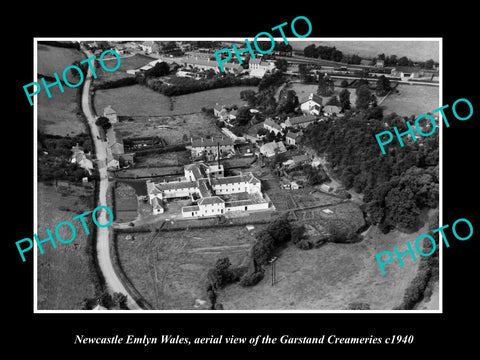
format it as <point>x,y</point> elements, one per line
<point>112,281</point>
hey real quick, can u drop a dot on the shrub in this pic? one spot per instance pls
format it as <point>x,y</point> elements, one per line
<point>252,278</point>
<point>263,247</point>
<point>358,306</point>
<point>304,244</point>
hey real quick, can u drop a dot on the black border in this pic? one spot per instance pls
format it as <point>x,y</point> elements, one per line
<point>432,332</point>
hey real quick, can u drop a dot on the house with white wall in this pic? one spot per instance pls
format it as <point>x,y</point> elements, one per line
<point>205,185</point>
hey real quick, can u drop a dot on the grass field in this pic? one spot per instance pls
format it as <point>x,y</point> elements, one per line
<point>169,269</point>
<point>63,277</point>
<point>330,277</point>
<point>412,100</point>
<point>138,100</point>
<point>58,115</point>
<point>126,63</point>
<point>173,129</point>
<point>415,50</point>
<point>53,59</point>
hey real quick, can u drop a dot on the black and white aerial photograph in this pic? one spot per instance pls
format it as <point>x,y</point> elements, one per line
<point>238,179</point>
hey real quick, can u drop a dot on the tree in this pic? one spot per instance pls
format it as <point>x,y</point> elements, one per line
<point>104,123</point>
<point>280,230</point>
<point>297,233</point>
<point>364,96</point>
<point>429,64</point>
<point>375,113</point>
<point>262,131</point>
<point>248,96</point>
<point>333,101</point>
<point>281,64</point>
<point>288,102</point>
<point>263,247</point>
<point>325,86</point>
<point>404,61</point>
<point>310,51</point>
<point>243,116</point>
<point>383,86</point>
<point>160,69</point>
<point>344,99</point>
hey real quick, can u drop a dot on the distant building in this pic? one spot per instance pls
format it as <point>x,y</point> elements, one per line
<point>210,146</point>
<point>300,121</point>
<point>110,114</point>
<point>271,125</point>
<point>311,105</point>
<point>379,63</point>
<point>224,113</point>
<point>157,206</point>
<point>272,148</point>
<point>79,158</point>
<point>115,150</point>
<point>407,72</point>
<point>115,142</point>
<point>258,68</point>
<point>300,159</point>
<point>149,47</point>
<point>331,110</point>
<point>292,138</point>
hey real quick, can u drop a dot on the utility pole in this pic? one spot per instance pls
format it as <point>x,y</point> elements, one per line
<point>272,266</point>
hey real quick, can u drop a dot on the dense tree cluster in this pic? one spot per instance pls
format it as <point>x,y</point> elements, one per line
<point>54,153</point>
<point>264,99</point>
<point>326,86</point>
<point>394,60</point>
<point>116,302</point>
<point>330,53</point>
<point>323,52</point>
<point>396,186</point>
<point>184,85</point>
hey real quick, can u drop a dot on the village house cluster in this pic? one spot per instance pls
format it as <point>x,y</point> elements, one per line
<point>210,191</point>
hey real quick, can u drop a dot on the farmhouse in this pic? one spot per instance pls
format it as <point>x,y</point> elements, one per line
<point>224,113</point>
<point>196,62</point>
<point>331,110</point>
<point>79,158</point>
<point>258,68</point>
<point>292,138</point>
<point>407,72</point>
<point>110,114</point>
<point>300,121</point>
<point>116,150</point>
<point>272,148</point>
<point>115,142</point>
<point>311,105</point>
<point>149,47</point>
<point>205,185</point>
<point>212,146</point>
<point>271,125</point>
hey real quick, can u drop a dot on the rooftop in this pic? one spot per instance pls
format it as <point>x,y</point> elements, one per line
<point>190,208</point>
<point>211,200</point>
<point>175,185</point>
<point>224,141</point>
<point>301,119</point>
<point>271,123</point>
<point>293,135</point>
